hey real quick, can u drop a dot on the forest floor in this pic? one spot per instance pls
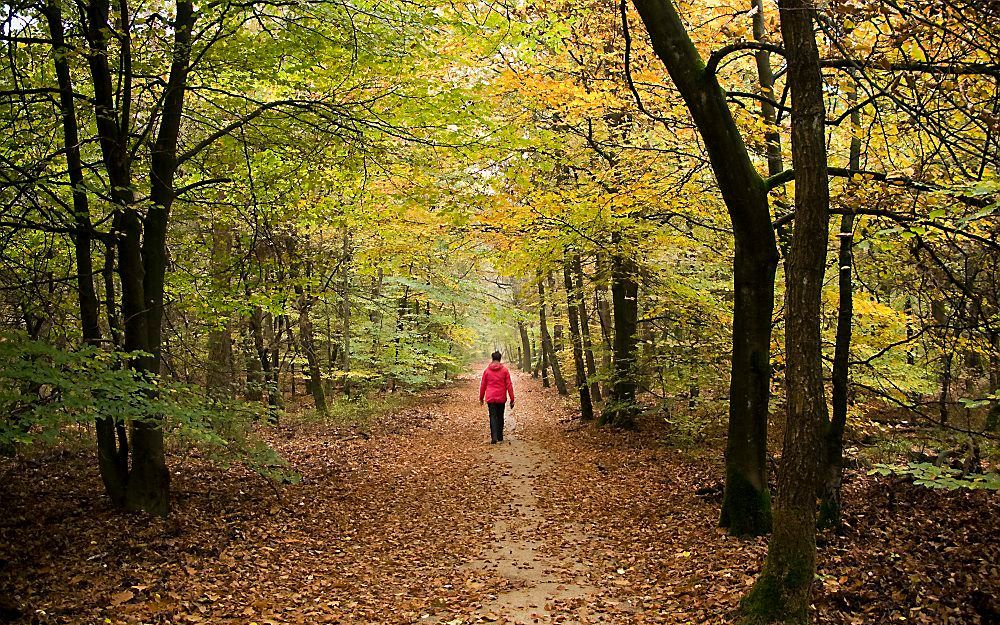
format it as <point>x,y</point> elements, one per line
<point>421,520</point>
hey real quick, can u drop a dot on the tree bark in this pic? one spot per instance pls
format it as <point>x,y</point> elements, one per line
<point>833,468</point>
<point>219,380</point>
<point>746,502</point>
<point>549,359</point>
<point>603,305</point>
<point>620,410</point>
<point>772,137</point>
<point>112,455</point>
<point>576,335</point>
<point>993,416</point>
<point>781,592</point>
<point>345,312</point>
<point>525,347</point>
<point>588,346</point>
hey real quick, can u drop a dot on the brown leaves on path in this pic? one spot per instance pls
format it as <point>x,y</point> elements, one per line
<point>425,522</point>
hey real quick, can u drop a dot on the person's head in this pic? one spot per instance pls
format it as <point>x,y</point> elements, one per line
<point>496,356</point>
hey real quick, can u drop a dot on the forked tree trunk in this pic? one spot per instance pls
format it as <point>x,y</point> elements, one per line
<point>781,591</point>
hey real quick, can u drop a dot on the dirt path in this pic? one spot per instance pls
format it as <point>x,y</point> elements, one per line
<point>546,581</point>
<point>419,520</point>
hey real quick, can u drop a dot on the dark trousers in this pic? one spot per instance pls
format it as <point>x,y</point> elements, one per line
<point>496,421</point>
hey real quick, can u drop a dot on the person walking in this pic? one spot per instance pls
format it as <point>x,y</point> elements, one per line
<point>494,388</point>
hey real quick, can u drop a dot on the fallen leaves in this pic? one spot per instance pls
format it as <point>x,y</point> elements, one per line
<point>383,530</point>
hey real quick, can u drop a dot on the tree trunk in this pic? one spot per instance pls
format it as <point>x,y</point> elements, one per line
<point>603,306</point>
<point>746,502</point>
<point>112,455</point>
<point>833,468</point>
<point>588,346</point>
<point>525,347</point>
<point>940,314</point>
<point>308,342</point>
<point>149,481</point>
<point>576,335</point>
<point>549,359</point>
<point>993,416</point>
<point>620,409</point>
<point>345,312</point>
<point>781,592</point>
<point>252,352</point>
<point>772,137</point>
<point>219,379</point>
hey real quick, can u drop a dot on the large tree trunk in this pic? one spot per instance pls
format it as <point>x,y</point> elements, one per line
<point>576,335</point>
<point>549,359</point>
<point>149,481</point>
<point>620,410</point>
<point>746,502</point>
<point>588,346</point>
<point>781,592</point>
<point>833,467</point>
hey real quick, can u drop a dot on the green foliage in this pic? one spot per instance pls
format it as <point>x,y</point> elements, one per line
<point>932,476</point>
<point>45,390</point>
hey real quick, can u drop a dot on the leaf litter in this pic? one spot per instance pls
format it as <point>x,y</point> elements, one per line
<point>423,521</point>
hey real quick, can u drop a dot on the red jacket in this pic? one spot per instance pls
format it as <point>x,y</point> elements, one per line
<point>496,384</point>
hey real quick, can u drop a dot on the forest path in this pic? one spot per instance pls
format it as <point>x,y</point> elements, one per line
<point>545,578</point>
<point>411,518</point>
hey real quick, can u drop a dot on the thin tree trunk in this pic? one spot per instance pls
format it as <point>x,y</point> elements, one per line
<point>772,137</point>
<point>781,592</point>
<point>588,346</point>
<point>219,380</point>
<point>113,466</point>
<point>993,416</point>
<point>833,469</point>
<point>940,314</point>
<point>525,347</point>
<point>345,303</point>
<point>549,360</point>
<point>603,306</point>
<point>251,353</point>
<point>576,335</point>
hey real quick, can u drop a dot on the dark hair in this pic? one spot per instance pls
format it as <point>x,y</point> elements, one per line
<point>496,356</point>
